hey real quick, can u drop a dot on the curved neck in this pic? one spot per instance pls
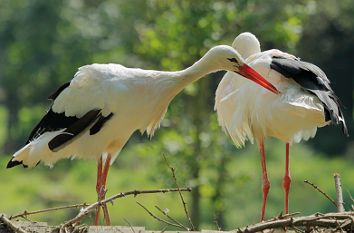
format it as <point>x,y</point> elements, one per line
<point>193,73</point>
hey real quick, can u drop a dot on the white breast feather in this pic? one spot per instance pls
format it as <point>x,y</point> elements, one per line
<point>247,111</point>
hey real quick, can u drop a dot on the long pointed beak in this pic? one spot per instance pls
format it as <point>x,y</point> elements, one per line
<point>247,72</point>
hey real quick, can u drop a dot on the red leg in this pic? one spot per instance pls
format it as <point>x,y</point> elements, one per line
<point>103,189</point>
<point>98,188</point>
<point>99,175</point>
<point>105,170</point>
<point>265,181</point>
<point>287,180</point>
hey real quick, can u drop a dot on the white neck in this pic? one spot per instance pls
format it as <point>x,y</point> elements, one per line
<point>180,79</point>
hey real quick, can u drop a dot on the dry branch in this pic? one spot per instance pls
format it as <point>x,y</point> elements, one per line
<point>172,219</point>
<point>25,213</point>
<point>93,206</point>
<point>339,199</point>
<point>320,191</point>
<point>10,224</point>
<point>130,225</point>
<point>180,194</point>
<point>157,218</point>
<point>343,221</point>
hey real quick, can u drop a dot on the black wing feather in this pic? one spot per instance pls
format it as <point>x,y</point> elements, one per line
<point>50,122</point>
<point>74,129</point>
<point>100,123</point>
<point>73,125</point>
<point>58,91</point>
<point>13,163</point>
<point>314,80</point>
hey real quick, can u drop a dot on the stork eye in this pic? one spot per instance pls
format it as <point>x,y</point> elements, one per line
<point>233,60</point>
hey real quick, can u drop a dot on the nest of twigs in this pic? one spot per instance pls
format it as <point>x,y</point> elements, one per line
<point>330,222</point>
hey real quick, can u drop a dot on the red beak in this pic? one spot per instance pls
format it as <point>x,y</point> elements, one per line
<point>247,72</point>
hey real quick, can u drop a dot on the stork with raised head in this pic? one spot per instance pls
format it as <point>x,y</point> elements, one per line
<point>247,112</point>
<point>94,114</point>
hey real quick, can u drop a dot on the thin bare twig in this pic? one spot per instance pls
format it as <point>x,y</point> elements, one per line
<point>172,219</point>
<point>216,223</point>
<point>10,224</point>
<point>93,206</point>
<point>180,194</point>
<point>157,218</point>
<point>283,216</point>
<point>322,192</point>
<point>130,225</point>
<point>339,199</point>
<point>289,215</point>
<point>26,213</point>
<point>352,199</point>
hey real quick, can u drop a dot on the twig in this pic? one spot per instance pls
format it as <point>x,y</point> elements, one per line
<point>330,220</point>
<point>157,218</point>
<point>322,192</point>
<point>288,215</point>
<point>282,216</point>
<point>26,213</point>
<point>172,219</point>
<point>93,206</point>
<point>217,223</point>
<point>8,223</point>
<point>339,199</point>
<point>130,225</point>
<point>351,198</point>
<point>180,194</point>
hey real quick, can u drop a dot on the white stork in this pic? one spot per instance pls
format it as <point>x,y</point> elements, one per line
<point>246,112</point>
<point>94,114</point>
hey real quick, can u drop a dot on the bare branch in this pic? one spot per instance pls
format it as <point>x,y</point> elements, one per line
<point>351,198</point>
<point>320,191</point>
<point>12,226</point>
<point>339,199</point>
<point>157,218</point>
<point>180,194</point>
<point>84,212</point>
<point>172,219</point>
<point>26,213</point>
<point>343,220</point>
<point>217,223</point>
<point>130,225</point>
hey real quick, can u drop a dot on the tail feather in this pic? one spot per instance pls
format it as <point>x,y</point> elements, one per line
<point>21,157</point>
<point>13,163</point>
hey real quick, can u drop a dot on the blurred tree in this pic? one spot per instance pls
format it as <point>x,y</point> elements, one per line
<point>42,43</point>
<point>24,39</point>
<point>328,41</point>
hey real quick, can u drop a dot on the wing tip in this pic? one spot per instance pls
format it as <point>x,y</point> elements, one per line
<point>12,163</point>
<point>344,128</point>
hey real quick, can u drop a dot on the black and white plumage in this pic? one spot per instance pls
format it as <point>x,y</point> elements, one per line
<point>314,80</point>
<point>105,103</point>
<point>307,100</point>
<point>95,113</point>
<point>306,103</point>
